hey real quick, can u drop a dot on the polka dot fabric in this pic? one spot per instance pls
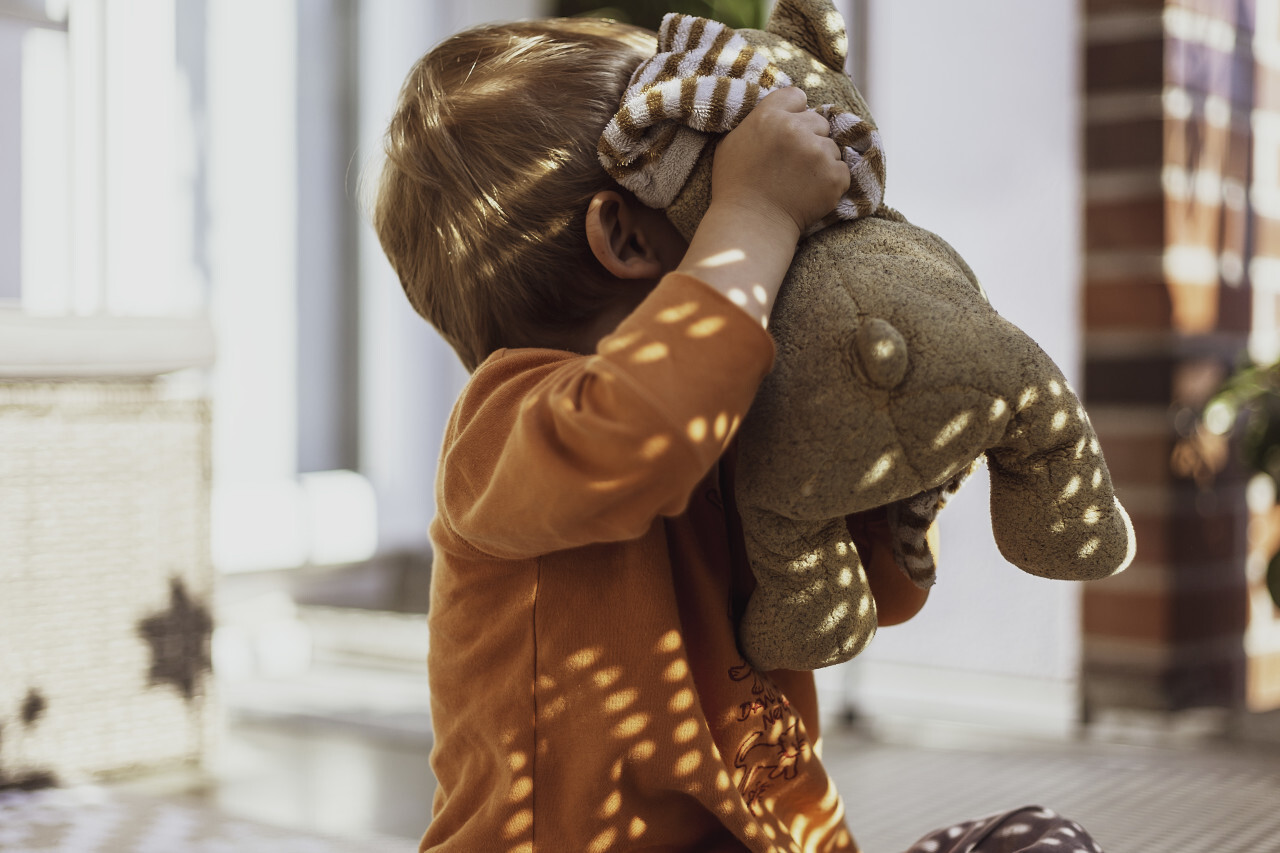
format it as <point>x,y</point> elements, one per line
<point>1030,829</point>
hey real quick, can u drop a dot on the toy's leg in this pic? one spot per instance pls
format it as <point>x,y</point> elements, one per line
<point>1053,510</point>
<point>817,609</point>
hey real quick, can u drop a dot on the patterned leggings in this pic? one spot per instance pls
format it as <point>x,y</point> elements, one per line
<point>1030,829</point>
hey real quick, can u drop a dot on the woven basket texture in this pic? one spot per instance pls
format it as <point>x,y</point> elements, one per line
<point>105,580</point>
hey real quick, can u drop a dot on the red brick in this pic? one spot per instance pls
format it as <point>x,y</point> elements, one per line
<point>1140,305</point>
<point>1125,66</point>
<point>1129,224</point>
<point>1124,145</point>
<point>1172,617</point>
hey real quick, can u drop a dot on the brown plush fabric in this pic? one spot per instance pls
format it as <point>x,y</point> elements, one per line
<point>893,375</point>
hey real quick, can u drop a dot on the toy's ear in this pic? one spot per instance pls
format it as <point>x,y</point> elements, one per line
<point>814,25</point>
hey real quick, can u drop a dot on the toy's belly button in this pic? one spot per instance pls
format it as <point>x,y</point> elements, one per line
<point>883,351</point>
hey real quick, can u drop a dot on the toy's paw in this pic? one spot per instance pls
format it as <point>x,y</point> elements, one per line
<point>808,612</point>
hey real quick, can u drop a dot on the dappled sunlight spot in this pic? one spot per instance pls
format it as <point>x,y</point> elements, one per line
<point>649,353</point>
<point>720,259</point>
<point>770,831</point>
<point>617,343</point>
<point>864,604</point>
<point>697,429</point>
<point>953,428</point>
<point>878,471</point>
<point>706,327</point>
<point>681,701</point>
<point>1055,387</point>
<point>1097,477</point>
<point>632,725</point>
<point>554,708</point>
<point>1088,548</point>
<point>838,613</point>
<point>516,761</point>
<point>655,447</point>
<point>813,78</point>
<point>521,789</point>
<point>636,828</point>
<point>842,548</point>
<point>603,841</point>
<point>846,574</point>
<point>1028,397</point>
<point>1072,487</point>
<point>555,159</point>
<point>687,763</point>
<point>998,408</point>
<point>1059,420</point>
<point>761,295</point>
<point>807,489</point>
<point>611,806</point>
<point>642,751</point>
<point>738,297</point>
<point>1058,526</point>
<point>518,824</point>
<point>583,658</point>
<point>675,670</point>
<point>546,682</point>
<point>1080,445</point>
<point>1092,515</point>
<point>607,485</point>
<point>1095,447</point>
<point>723,783</point>
<point>615,772</point>
<point>685,732</point>
<point>620,701</point>
<point>522,847</point>
<point>669,641</point>
<point>721,428</point>
<point>606,677</point>
<point>829,797</point>
<point>676,313</point>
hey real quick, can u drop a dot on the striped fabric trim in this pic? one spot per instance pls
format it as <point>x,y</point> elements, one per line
<point>909,523</point>
<point>704,79</point>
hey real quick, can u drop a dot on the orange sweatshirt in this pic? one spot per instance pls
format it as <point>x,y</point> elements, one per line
<point>587,692</point>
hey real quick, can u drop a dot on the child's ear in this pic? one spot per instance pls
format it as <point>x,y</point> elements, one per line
<point>618,234</point>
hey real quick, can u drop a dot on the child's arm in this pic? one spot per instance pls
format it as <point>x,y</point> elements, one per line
<point>553,452</point>
<point>776,174</point>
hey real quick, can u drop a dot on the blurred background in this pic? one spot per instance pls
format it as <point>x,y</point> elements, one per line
<point>219,417</point>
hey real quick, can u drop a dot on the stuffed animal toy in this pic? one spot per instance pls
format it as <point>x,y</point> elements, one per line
<point>893,373</point>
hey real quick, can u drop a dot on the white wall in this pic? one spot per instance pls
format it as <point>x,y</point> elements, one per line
<point>977,104</point>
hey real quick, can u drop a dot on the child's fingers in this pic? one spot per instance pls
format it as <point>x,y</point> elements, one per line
<point>790,99</point>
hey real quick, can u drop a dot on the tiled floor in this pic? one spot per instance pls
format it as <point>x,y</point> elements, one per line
<point>321,768</point>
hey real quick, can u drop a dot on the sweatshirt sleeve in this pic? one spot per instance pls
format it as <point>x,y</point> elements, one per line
<point>548,450</point>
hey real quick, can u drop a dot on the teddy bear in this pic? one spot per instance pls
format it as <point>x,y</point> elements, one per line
<point>893,373</point>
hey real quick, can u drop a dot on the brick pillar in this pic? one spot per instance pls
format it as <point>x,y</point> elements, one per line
<point>1169,307</point>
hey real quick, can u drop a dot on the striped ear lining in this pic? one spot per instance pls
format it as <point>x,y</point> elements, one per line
<point>704,79</point>
<point>909,523</point>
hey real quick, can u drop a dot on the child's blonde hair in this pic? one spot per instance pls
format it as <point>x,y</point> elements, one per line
<point>490,164</point>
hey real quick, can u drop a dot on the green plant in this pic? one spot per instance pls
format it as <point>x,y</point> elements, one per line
<point>1249,403</point>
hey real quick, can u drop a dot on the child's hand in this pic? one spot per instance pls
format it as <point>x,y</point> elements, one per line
<point>774,175</point>
<point>781,162</point>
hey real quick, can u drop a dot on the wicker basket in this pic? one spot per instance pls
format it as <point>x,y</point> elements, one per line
<point>105,580</point>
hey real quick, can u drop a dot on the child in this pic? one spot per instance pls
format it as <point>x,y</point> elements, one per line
<point>587,691</point>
